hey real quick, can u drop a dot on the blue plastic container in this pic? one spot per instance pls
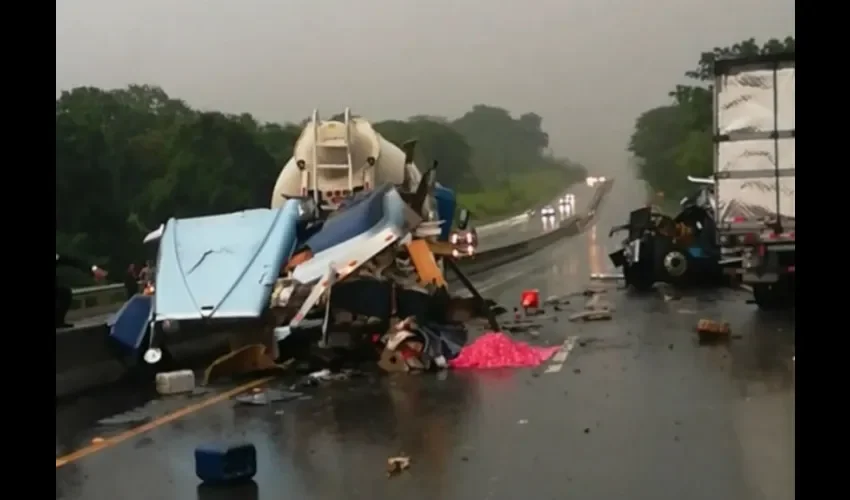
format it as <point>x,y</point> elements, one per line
<point>130,324</point>
<point>223,463</point>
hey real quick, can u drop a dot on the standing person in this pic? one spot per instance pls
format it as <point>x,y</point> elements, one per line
<point>131,281</point>
<point>146,274</point>
<point>64,294</point>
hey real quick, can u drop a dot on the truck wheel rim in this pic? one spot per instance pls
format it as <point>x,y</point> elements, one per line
<point>675,263</point>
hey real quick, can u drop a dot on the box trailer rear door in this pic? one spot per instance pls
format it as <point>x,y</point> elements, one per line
<point>754,109</point>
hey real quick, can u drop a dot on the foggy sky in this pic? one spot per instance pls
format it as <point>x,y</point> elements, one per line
<point>589,67</point>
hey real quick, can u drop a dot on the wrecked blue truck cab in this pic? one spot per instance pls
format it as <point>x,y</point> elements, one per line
<point>214,267</point>
<point>222,266</point>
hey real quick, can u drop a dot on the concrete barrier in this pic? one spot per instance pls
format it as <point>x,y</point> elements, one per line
<point>86,360</point>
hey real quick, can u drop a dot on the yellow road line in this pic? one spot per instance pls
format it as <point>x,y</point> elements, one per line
<point>171,417</point>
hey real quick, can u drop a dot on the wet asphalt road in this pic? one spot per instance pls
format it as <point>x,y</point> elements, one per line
<point>637,410</point>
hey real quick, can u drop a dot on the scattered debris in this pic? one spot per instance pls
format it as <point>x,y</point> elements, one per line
<point>601,315</point>
<point>125,419</point>
<point>396,465</point>
<point>409,346</point>
<point>710,331</point>
<point>268,396</point>
<point>322,376</point>
<point>606,276</point>
<point>554,300</point>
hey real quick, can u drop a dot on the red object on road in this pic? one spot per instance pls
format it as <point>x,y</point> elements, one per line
<point>497,350</point>
<point>530,299</point>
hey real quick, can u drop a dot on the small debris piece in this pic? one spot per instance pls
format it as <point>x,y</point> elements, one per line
<point>599,315</point>
<point>129,418</point>
<point>397,464</point>
<point>554,300</point>
<point>712,331</point>
<point>267,397</point>
<point>606,276</point>
<point>593,303</point>
<point>392,362</point>
<point>522,421</point>
<point>520,326</point>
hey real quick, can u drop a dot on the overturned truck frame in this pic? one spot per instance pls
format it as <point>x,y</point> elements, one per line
<point>679,250</point>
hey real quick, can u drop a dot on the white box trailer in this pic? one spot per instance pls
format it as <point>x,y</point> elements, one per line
<point>754,169</point>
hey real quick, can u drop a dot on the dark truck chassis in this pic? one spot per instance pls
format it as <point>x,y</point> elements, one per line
<point>656,249</point>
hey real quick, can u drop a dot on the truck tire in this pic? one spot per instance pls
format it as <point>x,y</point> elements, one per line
<point>641,276</point>
<point>774,296</point>
<point>677,267</point>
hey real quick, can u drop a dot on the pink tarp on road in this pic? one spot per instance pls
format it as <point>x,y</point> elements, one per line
<point>497,350</point>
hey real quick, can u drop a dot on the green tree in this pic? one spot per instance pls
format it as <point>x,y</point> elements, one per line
<point>129,159</point>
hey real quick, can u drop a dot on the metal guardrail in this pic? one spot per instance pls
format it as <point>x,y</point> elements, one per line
<point>95,300</point>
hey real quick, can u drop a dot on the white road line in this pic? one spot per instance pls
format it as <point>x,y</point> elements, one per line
<point>561,356</point>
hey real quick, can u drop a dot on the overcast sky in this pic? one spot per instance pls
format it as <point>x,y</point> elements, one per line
<point>589,67</point>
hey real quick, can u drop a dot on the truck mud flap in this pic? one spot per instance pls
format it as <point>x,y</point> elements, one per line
<point>618,258</point>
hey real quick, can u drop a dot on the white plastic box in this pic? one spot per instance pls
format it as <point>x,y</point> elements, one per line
<point>175,382</point>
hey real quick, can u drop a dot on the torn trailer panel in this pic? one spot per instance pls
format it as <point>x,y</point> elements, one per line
<point>355,234</point>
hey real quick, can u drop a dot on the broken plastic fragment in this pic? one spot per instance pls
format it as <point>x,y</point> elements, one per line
<point>267,397</point>
<point>397,464</point>
<point>599,315</point>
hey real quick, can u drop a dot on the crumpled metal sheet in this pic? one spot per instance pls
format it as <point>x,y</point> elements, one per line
<point>409,346</point>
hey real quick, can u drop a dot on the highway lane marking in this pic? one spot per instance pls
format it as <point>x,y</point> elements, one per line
<point>153,424</point>
<point>561,356</point>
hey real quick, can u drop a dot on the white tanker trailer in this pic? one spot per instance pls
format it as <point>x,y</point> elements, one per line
<point>333,160</point>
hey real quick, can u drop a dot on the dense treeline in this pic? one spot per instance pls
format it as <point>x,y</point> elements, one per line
<point>673,141</point>
<point>128,159</point>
